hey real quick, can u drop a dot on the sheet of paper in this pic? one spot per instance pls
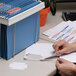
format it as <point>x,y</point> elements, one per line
<point>64,30</point>
<point>70,57</point>
<point>17,66</point>
<point>53,30</point>
<point>45,50</point>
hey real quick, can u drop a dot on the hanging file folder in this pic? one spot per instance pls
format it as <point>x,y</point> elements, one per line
<point>21,29</point>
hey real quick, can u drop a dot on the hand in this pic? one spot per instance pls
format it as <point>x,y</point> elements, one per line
<point>65,67</point>
<point>62,47</point>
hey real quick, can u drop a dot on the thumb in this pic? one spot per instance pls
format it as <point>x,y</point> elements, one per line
<point>61,60</point>
<point>62,51</point>
<point>57,64</point>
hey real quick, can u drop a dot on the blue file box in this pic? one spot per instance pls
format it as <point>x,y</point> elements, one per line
<point>20,30</point>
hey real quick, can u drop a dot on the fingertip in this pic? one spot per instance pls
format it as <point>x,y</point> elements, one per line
<point>58,52</point>
<point>61,60</point>
<point>57,63</point>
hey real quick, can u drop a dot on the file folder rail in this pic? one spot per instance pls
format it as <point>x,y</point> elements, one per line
<point>21,29</point>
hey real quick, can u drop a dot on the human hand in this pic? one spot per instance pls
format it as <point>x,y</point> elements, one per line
<point>62,47</point>
<point>65,67</point>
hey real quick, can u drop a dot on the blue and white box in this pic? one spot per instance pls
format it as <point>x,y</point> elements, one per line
<point>19,30</point>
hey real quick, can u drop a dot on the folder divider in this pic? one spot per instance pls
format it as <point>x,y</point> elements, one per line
<point>0,40</point>
<point>14,39</point>
<point>36,29</point>
<point>3,52</point>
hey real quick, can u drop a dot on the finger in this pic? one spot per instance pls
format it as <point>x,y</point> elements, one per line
<point>58,65</point>
<point>56,45</point>
<point>59,45</point>
<point>61,60</point>
<point>61,51</point>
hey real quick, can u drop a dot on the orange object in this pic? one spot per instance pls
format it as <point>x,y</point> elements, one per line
<point>43,16</point>
<point>14,10</point>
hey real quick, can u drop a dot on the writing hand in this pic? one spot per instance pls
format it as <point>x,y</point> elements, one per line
<point>62,47</point>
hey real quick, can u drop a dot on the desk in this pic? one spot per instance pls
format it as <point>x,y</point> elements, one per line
<point>35,68</point>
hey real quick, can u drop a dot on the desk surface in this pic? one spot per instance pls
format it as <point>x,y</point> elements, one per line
<point>35,68</point>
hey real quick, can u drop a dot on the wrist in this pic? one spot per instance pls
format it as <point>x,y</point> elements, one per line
<point>73,47</point>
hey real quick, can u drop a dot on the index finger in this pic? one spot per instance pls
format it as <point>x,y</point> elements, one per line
<point>57,64</point>
<point>58,44</point>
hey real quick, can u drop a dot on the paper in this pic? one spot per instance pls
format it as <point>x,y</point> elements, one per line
<point>70,57</point>
<point>64,30</point>
<point>51,31</point>
<point>45,50</point>
<point>18,66</point>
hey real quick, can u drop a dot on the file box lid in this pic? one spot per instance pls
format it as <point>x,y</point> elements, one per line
<point>28,7</point>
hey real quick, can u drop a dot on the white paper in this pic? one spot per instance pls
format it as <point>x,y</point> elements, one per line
<point>70,57</point>
<point>17,66</point>
<point>55,29</point>
<point>58,28</point>
<point>45,50</point>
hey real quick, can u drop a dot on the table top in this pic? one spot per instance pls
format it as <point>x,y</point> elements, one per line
<point>35,68</point>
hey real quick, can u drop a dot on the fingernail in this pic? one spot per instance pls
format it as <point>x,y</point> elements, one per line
<point>58,54</point>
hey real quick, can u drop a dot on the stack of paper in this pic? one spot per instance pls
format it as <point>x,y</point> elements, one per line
<point>45,50</point>
<point>64,30</point>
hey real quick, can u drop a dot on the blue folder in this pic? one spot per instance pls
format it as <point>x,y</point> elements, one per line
<point>18,35</point>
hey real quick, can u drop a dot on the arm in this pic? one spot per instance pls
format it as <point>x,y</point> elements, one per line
<point>73,45</point>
